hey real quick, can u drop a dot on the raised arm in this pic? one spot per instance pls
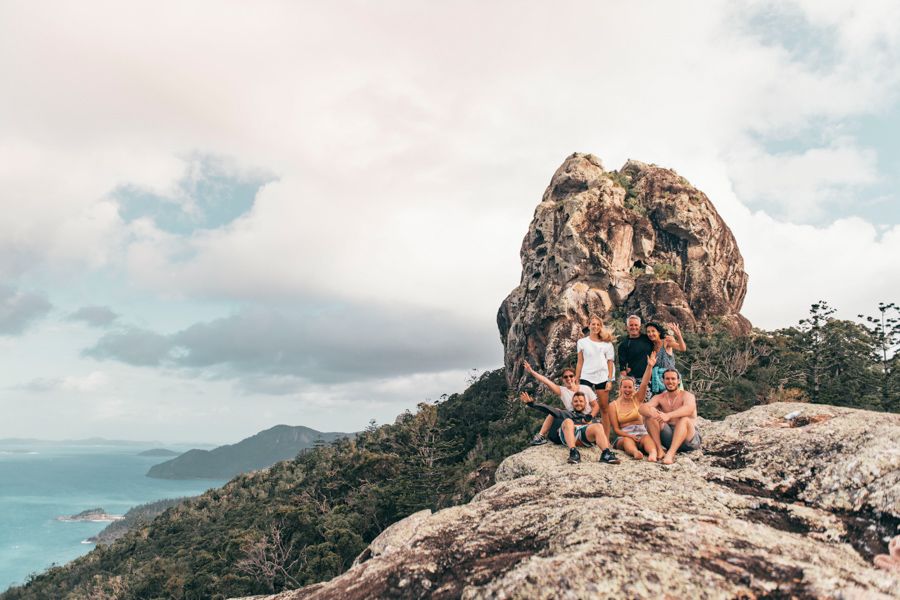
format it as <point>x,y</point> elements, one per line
<point>647,376</point>
<point>547,382</point>
<point>679,340</point>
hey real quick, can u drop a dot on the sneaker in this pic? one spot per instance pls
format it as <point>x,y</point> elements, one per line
<point>574,456</point>
<point>538,440</point>
<point>609,457</point>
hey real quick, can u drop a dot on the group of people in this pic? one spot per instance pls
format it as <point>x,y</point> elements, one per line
<point>652,415</point>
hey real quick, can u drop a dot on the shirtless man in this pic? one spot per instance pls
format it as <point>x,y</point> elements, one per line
<point>671,419</point>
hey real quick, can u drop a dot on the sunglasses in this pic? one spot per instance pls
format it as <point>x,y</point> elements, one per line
<point>568,377</point>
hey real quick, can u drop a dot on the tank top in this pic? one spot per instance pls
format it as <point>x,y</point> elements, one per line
<point>630,414</point>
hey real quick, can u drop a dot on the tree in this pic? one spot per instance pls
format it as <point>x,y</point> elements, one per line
<point>813,340</point>
<point>885,330</point>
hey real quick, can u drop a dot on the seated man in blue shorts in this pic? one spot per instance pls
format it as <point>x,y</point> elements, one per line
<point>671,419</point>
<point>575,428</point>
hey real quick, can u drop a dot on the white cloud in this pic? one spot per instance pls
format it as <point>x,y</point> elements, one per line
<point>802,187</point>
<point>410,146</point>
<point>92,382</point>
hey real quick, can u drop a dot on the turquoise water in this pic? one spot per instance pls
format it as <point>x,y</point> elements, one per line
<point>39,482</point>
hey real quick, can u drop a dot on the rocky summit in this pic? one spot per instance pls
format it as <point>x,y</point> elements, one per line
<point>784,501</point>
<point>641,239</point>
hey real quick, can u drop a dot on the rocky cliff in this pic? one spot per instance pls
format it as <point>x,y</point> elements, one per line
<point>640,239</point>
<point>771,508</point>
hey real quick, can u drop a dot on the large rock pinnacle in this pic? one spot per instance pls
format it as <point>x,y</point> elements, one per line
<point>640,239</point>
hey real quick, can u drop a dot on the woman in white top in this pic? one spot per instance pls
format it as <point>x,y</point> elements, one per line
<point>565,392</point>
<point>596,361</point>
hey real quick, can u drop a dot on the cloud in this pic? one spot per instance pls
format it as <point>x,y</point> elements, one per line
<point>401,169</point>
<point>212,193</point>
<point>95,316</point>
<point>90,383</point>
<point>132,345</point>
<point>802,187</point>
<point>19,310</point>
<point>276,352</point>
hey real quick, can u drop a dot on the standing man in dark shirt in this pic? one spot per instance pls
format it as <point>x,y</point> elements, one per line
<point>634,350</point>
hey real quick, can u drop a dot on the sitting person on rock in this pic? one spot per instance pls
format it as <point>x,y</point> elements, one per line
<point>565,392</point>
<point>671,419</point>
<point>626,419</point>
<point>575,427</point>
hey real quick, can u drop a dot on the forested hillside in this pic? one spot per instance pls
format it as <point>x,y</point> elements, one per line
<point>306,519</point>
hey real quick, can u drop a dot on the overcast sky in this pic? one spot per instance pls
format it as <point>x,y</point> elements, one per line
<point>220,216</point>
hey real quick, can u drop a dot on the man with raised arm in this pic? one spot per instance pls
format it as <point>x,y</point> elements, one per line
<point>634,350</point>
<point>575,427</point>
<point>671,419</point>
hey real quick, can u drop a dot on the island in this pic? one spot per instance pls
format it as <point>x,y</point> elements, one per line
<point>95,515</point>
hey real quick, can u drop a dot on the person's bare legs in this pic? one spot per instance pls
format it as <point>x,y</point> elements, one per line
<point>653,427</point>
<point>684,430</point>
<point>595,434</point>
<point>603,400</point>
<point>649,447</point>
<point>628,445</point>
<point>568,427</point>
<point>545,426</point>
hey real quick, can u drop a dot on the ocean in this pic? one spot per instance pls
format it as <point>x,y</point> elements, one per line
<point>40,481</point>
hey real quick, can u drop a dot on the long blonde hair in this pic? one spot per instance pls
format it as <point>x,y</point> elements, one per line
<point>605,334</point>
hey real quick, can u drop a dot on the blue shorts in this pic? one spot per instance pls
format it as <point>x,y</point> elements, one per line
<point>580,436</point>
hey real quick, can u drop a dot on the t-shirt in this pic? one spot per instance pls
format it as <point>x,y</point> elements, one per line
<point>565,394</point>
<point>633,353</point>
<point>596,354</point>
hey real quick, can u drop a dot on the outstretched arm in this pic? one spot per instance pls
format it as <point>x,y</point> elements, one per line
<point>547,382</point>
<point>530,403</point>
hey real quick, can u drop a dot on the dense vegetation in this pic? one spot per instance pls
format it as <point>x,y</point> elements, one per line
<point>306,519</point>
<point>134,518</point>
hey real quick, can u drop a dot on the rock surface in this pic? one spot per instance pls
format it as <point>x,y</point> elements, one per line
<point>769,509</point>
<point>641,239</point>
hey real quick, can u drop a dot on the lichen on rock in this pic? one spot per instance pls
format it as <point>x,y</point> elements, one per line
<point>766,510</point>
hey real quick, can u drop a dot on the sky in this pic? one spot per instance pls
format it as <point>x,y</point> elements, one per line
<point>221,216</point>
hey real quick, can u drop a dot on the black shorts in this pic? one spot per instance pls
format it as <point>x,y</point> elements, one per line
<point>553,435</point>
<point>594,386</point>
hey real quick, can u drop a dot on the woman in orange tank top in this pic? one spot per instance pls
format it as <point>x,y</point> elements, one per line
<point>627,422</point>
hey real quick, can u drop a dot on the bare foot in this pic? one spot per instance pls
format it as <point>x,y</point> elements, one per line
<point>668,459</point>
<point>636,455</point>
<point>651,457</point>
<point>890,562</point>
